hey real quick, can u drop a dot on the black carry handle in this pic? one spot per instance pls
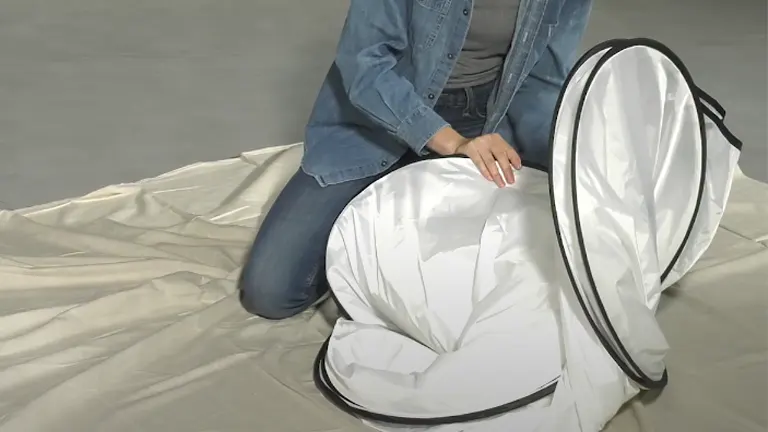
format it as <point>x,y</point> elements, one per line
<point>711,108</point>
<point>711,102</point>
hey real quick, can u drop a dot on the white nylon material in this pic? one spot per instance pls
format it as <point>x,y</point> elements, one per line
<point>451,261</point>
<point>459,291</point>
<point>637,181</point>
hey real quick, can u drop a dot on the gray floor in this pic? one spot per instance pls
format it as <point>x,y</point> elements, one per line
<point>94,92</point>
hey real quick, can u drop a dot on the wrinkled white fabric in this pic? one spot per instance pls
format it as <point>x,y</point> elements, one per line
<point>464,297</point>
<point>419,267</point>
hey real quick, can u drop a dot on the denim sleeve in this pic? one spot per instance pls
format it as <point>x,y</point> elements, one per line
<point>532,109</point>
<point>375,34</point>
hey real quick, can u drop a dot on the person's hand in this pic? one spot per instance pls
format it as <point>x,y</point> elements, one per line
<point>493,156</point>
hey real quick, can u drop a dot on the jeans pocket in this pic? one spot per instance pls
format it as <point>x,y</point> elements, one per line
<point>481,111</point>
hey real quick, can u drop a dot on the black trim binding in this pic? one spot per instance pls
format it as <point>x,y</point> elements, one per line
<point>711,109</point>
<point>617,46</point>
<point>637,375</point>
<point>607,45</point>
<point>526,163</point>
<point>326,387</point>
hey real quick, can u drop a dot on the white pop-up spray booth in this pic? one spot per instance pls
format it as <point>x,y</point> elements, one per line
<point>531,307</point>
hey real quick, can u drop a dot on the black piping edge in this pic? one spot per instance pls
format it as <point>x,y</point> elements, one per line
<point>535,166</point>
<point>559,234</point>
<point>526,163</point>
<point>700,111</point>
<point>326,387</point>
<point>644,380</point>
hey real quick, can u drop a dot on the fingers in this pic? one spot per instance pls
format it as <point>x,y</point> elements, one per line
<point>480,164</point>
<point>506,157</point>
<point>505,164</point>
<point>473,149</point>
<point>494,158</point>
<point>514,158</point>
<point>510,160</point>
<point>489,162</point>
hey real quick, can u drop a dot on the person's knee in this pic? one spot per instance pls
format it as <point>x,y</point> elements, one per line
<point>284,265</point>
<point>273,291</point>
<point>263,297</point>
<point>263,307</point>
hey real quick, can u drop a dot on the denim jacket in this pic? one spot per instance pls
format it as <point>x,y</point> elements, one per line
<point>393,61</point>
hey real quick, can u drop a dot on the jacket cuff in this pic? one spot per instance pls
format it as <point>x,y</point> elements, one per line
<point>419,128</point>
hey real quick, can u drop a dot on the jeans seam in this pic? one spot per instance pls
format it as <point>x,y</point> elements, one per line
<point>469,103</point>
<point>311,282</point>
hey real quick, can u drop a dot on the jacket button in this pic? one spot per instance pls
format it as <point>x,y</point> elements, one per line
<point>450,56</point>
<point>465,12</point>
<point>384,163</point>
<point>431,96</point>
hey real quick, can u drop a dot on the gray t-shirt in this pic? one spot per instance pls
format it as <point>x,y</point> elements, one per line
<point>487,44</point>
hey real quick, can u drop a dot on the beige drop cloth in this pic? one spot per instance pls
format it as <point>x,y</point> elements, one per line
<point>118,312</point>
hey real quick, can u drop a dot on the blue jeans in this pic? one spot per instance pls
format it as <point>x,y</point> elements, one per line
<point>284,272</point>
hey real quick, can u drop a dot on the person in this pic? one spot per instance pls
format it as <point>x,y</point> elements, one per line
<point>412,79</point>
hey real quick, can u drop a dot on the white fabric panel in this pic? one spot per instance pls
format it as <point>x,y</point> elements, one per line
<point>415,264</point>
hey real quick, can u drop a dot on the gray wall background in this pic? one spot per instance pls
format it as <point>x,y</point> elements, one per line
<point>95,92</point>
